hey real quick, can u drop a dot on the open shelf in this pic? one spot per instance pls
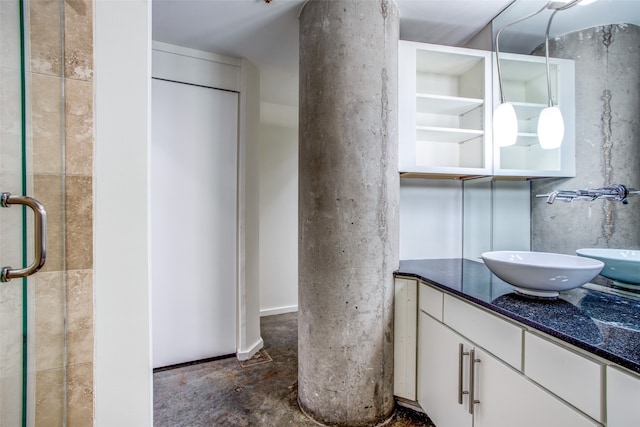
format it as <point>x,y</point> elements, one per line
<point>440,134</point>
<point>444,110</point>
<point>526,140</point>
<point>443,104</point>
<point>528,110</point>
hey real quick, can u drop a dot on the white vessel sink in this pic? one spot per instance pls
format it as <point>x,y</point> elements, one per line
<point>620,265</point>
<point>542,274</point>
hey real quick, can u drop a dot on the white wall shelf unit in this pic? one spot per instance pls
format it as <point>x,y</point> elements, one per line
<point>524,82</point>
<point>446,98</point>
<point>444,110</point>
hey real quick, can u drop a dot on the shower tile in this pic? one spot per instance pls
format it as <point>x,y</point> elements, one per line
<point>48,190</point>
<point>78,38</point>
<point>50,398</point>
<point>46,37</point>
<point>46,123</point>
<point>79,316</point>
<point>79,223</point>
<point>80,395</point>
<point>79,127</point>
<point>68,200</point>
<point>49,316</point>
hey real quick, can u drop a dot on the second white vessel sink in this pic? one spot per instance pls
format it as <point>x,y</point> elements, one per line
<point>542,274</point>
<point>621,265</point>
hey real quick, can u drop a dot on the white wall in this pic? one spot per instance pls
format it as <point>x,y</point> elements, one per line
<point>122,369</point>
<point>452,219</point>
<point>249,339</point>
<point>511,216</point>
<point>278,215</point>
<point>430,218</point>
<point>477,214</point>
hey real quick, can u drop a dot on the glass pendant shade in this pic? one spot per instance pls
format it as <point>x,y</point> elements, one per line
<point>505,125</point>
<point>550,128</point>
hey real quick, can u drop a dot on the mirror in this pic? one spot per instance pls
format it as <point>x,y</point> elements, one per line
<point>603,39</point>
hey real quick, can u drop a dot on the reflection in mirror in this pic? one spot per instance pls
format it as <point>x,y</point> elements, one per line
<point>603,39</point>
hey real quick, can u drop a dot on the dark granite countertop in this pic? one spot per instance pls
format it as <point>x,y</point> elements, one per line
<point>604,324</point>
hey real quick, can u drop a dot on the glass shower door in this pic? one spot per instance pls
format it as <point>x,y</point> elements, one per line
<point>12,233</point>
<point>31,392</point>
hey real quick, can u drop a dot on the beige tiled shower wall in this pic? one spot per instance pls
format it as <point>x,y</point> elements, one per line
<point>61,93</point>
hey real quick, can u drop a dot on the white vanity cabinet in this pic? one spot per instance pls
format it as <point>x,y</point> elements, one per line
<point>444,110</point>
<point>453,371</point>
<point>465,352</point>
<point>524,82</point>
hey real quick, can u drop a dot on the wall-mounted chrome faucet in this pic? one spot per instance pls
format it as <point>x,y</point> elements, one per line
<point>618,193</point>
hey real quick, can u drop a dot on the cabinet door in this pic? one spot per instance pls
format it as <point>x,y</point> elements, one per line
<point>623,395</point>
<point>508,399</point>
<point>568,375</point>
<point>438,376</point>
<point>405,334</point>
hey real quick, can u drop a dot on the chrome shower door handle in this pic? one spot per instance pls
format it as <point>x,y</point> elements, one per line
<point>40,236</point>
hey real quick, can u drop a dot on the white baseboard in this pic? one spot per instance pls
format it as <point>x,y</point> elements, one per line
<point>248,354</point>
<point>279,310</point>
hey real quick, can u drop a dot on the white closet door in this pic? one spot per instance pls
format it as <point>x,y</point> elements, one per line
<point>193,222</point>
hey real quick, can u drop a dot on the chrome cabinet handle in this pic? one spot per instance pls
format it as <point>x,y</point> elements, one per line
<point>472,374</point>
<point>40,236</point>
<point>461,354</point>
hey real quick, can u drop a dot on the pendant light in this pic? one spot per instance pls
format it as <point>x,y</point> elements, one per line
<point>505,121</point>
<point>505,125</point>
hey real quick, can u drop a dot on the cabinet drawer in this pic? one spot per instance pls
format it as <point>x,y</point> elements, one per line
<point>572,377</point>
<point>509,399</point>
<point>496,335</point>
<point>623,395</point>
<point>431,301</point>
<point>405,338</point>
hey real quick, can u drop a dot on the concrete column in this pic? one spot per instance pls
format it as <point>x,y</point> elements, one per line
<point>348,210</point>
<point>607,61</point>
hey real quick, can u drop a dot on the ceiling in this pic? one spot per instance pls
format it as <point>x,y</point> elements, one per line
<point>267,34</point>
<point>526,36</point>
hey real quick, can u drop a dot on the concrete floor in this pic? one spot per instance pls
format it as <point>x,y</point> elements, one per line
<point>259,392</point>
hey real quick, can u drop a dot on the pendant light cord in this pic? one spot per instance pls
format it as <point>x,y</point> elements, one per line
<point>556,7</point>
<point>542,9</point>
<point>546,45</point>
<point>546,56</point>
